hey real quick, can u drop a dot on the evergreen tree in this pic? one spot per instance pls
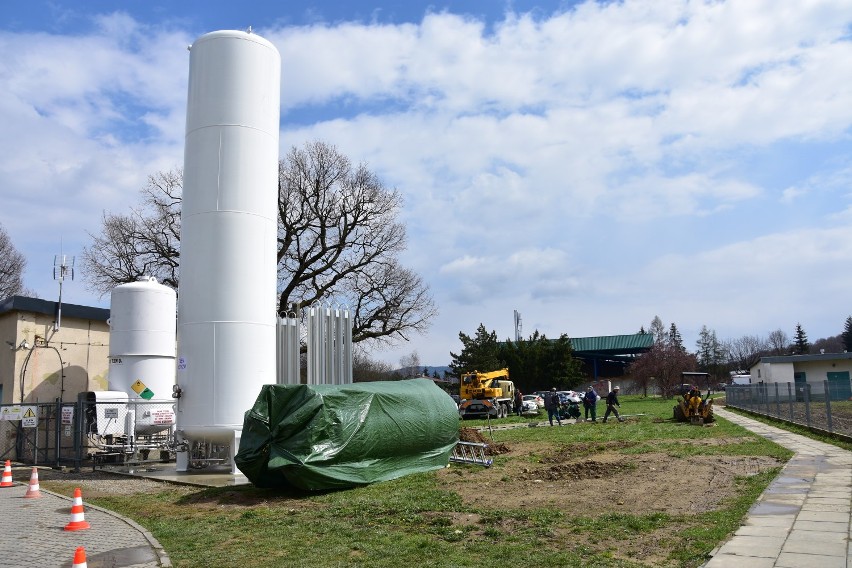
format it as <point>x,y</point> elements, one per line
<point>479,353</point>
<point>710,353</point>
<point>801,345</point>
<point>675,339</point>
<point>539,363</point>
<point>846,336</point>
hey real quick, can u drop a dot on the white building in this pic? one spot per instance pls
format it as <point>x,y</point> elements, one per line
<point>836,368</point>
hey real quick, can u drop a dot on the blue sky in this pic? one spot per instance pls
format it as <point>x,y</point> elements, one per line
<point>588,164</point>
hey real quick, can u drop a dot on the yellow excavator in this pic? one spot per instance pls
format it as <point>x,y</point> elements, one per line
<point>486,394</point>
<point>694,409</point>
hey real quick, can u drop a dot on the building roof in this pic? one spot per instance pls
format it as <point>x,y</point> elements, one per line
<point>805,358</point>
<point>47,307</point>
<point>607,345</point>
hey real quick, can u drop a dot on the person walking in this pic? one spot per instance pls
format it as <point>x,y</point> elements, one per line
<point>551,404</point>
<point>519,402</point>
<point>612,403</point>
<point>590,403</point>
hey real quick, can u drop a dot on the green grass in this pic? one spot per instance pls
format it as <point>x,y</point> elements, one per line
<point>417,520</point>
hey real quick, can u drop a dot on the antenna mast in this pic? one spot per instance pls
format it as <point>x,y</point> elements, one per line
<point>519,326</point>
<point>61,269</point>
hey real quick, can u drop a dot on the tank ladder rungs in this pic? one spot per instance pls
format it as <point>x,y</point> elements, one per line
<point>470,452</point>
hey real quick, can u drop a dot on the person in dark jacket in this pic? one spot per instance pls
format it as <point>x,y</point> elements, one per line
<point>551,404</point>
<point>590,403</point>
<point>612,403</point>
<point>519,402</point>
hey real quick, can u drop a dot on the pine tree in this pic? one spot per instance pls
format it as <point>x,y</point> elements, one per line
<point>846,336</point>
<point>802,347</point>
<point>675,339</point>
<point>479,353</point>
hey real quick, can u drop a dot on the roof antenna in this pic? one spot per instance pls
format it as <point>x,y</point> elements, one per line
<point>62,268</point>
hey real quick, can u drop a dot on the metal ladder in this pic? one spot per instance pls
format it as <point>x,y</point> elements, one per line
<point>470,452</point>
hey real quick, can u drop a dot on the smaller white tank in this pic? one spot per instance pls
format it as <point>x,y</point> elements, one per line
<point>143,332</point>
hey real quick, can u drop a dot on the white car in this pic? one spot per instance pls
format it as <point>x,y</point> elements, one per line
<point>529,407</point>
<point>539,402</point>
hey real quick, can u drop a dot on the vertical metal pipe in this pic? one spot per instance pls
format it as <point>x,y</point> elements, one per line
<point>348,347</point>
<point>328,345</point>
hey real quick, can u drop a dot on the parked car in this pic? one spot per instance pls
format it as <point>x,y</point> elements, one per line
<point>529,408</point>
<point>456,398</point>
<point>537,399</point>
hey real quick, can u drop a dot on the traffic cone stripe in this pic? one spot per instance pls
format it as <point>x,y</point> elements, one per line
<point>6,480</point>
<point>33,489</point>
<point>80,558</point>
<point>77,522</point>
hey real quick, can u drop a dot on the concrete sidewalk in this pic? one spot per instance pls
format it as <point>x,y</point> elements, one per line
<point>33,533</point>
<point>802,520</point>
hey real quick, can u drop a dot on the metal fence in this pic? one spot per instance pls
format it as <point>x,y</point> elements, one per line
<point>87,432</point>
<point>826,406</point>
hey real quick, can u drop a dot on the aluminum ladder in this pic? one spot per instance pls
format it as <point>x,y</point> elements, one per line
<point>470,452</point>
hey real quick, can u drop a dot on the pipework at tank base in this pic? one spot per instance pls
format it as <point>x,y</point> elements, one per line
<point>213,450</point>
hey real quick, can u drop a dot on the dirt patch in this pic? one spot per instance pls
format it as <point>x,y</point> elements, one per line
<point>601,479</point>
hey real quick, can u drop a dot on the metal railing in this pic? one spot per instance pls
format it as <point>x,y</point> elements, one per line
<point>826,406</point>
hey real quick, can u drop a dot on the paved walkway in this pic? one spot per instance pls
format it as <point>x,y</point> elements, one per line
<point>33,533</point>
<point>804,518</point>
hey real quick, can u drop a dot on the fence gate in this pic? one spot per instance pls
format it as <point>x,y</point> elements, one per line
<point>35,434</point>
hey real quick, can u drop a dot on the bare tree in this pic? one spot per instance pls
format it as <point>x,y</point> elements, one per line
<point>662,365</point>
<point>12,264</point>
<point>366,369</point>
<point>410,364</point>
<point>658,330</point>
<point>778,342</point>
<point>744,352</point>
<point>338,237</point>
<point>145,242</point>
<point>338,242</point>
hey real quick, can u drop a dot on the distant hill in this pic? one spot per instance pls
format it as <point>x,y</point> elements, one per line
<point>442,371</point>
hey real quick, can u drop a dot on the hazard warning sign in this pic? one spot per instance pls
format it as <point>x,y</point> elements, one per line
<point>143,391</point>
<point>29,419</point>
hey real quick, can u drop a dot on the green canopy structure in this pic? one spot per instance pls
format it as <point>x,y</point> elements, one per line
<point>321,437</point>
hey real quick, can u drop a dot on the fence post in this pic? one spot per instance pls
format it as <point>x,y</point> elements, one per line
<point>790,399</point>
<point>807,390</point>
<point>828,405</point>
<point>777,402</point>
<point>79,427</point>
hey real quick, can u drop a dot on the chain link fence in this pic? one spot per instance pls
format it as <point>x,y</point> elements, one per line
<point>87,432</point>
<point>826,406</point>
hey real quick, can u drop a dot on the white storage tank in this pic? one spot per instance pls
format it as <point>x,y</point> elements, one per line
<point>226,311</point>
<point>142,339</point>
<point>142,344</point>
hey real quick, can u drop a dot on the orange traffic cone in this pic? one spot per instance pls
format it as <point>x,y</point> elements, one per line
<point>77,523</point>
<point>80,558</point>
<point>33,489</point>
<point>6,481</point>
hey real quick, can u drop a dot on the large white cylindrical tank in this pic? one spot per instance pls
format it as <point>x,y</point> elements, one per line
<point>142,331</point>
<point>226,299</point>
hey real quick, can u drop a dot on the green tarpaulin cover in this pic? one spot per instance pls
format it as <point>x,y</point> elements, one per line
<point>319,437</point>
